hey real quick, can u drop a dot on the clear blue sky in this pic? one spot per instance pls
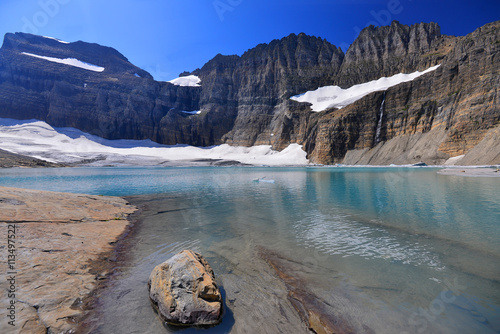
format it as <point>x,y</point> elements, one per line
<point>166,37</point>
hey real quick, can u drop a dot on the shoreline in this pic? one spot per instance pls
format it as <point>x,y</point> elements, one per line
<point>62,257</point>
<point>91,320</point>
<point>470,172</point>
<point>14,160</point>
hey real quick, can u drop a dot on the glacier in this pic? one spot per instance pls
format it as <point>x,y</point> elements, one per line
<point>38,139</point>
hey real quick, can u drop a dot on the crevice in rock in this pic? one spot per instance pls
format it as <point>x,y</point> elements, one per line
<point>36,308</point>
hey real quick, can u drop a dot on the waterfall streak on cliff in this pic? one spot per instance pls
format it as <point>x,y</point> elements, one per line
<point>379,125</point>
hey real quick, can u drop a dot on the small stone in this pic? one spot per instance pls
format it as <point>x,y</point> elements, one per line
<point>183,291</point>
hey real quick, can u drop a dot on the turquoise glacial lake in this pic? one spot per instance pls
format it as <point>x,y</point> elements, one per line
<point>387,250</point>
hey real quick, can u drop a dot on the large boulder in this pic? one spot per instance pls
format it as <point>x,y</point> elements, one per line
<point>183,291</point>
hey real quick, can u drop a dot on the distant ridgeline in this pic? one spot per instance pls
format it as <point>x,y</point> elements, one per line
<point>398,95</point>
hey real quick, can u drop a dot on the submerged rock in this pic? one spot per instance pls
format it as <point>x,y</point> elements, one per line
<point>312,309</point>
<point>183,290</point>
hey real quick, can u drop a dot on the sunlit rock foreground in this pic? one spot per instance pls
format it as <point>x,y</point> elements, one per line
<point>62,243</point>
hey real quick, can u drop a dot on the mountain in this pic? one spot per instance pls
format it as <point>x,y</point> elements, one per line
<point>247,100</point>
<point>449,112</point>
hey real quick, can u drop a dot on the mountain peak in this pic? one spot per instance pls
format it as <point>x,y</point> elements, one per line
<point>50,47</point>
<point>387,50</point>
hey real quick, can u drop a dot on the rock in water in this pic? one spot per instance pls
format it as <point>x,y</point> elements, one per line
<point>184,292</point>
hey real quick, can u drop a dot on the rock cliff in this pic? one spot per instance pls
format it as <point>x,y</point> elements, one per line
<point>245,100</point>
<point>443,114</point>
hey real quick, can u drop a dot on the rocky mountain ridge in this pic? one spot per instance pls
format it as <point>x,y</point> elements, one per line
<point>245,100</point>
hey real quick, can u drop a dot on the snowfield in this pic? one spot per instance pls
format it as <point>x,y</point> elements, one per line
<point>328,97</point>
<point>68,145</point>
<point>188,81</point>
<point>68,61</point>
<point>56,39</point>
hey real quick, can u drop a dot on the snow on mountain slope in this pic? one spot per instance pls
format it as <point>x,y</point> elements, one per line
<point>189,81</point>
<point>69,61</point>
<point>335,97</point>
<point>68,145</point>
<point>195,112</point>
<point>56,39</point>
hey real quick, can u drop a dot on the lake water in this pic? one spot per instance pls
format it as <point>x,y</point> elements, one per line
<point>387,250</point>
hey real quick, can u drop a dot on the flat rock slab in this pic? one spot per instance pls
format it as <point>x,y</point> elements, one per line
<point>470,172</point>
<point>183,291</point>
<point>59,239</point>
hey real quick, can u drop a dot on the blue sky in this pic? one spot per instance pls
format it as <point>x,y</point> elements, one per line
<point>166,37</point>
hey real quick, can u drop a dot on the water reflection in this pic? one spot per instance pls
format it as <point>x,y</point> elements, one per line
<point>376,244</point>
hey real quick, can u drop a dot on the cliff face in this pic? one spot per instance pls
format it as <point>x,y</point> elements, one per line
<point>385,51</point>
<point>236,99</point>
<point>255,86</point>
<point>122,101</point>
<point>443,114</point>
<point>245,100</point>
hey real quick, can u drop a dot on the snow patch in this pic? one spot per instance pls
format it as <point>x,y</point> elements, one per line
<point>137,75</point>
<point>56,39</point>
<point>196,112</point>
<point>335,97</point>
<point>453,160</point>
<point>69,61</point>
<point>69,145</point>
<point>188,81</point>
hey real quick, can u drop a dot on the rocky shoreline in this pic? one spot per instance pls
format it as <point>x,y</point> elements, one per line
<point>63,245</point>
<point>471,172</point>
<point>9,160</point>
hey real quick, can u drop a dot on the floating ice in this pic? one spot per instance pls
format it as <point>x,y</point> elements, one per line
<point>263,179</point>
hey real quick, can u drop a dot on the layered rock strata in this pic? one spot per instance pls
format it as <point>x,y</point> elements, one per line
<point>245,100</point>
